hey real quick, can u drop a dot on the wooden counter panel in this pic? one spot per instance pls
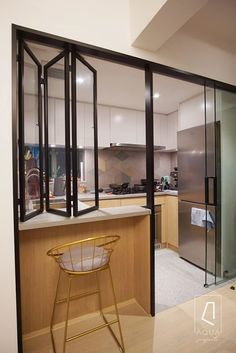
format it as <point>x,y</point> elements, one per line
<point>39,272</point>
<point>172,222</point>
<point>141,265</point>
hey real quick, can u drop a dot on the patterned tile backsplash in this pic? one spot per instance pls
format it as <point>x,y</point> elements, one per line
<point>125,166</point>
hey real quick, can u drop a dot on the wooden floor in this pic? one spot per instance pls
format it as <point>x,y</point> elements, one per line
<point>171,331</point>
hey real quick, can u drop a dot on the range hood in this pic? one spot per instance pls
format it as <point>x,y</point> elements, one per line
<point>133,147</point>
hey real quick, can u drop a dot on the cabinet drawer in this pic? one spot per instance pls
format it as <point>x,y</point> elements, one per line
<point>140,201</point>
<point>109,203</point>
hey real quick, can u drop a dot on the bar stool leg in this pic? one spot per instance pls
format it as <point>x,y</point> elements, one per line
<point>99,294</point>
<point>53,312</point>
<point>67,312</point>
<point>122,346</point>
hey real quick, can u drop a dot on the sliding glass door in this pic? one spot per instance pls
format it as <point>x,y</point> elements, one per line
<point>226,119</point>
<point>220,112</point>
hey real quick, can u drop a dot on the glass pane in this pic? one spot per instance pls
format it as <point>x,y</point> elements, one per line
<point>85,135</point>
<point>56,136</point>
<point>121,119</point>
<point>226,120</point>
<point>31,136</point>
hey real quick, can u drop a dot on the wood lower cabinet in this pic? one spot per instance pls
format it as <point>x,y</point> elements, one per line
<point>104,203</point>
<point>172,222</point>
<point>137,201</point>
<point>169,215</point>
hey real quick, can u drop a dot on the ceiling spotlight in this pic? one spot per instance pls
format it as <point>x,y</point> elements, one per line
<point>80,80</point>
<point>156,95</point>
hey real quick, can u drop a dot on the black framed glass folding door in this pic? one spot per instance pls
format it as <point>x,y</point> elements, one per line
<point>84,135</point>
<point>57,154</point>
<point>30,133</point>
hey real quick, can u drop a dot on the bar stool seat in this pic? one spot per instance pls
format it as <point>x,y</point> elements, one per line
<point>81,258</point>
<point>91,258</point>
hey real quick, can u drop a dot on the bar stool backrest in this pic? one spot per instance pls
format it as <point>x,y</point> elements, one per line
<point>85,256</point>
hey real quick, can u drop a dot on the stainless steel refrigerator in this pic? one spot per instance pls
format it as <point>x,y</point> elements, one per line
<point>192,182</point>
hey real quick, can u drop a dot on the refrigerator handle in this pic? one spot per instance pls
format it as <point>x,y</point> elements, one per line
<point>210,181</point>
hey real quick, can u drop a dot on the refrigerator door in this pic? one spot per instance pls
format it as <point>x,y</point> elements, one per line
<point>191,164</point>
<point>192,238</point>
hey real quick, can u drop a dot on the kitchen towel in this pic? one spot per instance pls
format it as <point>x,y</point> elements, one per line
<point>202,218</point>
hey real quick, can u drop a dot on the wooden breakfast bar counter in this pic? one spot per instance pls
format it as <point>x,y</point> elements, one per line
<point>130,263</point>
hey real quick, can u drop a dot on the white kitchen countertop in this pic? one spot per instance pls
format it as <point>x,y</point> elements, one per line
<point>45,219</point>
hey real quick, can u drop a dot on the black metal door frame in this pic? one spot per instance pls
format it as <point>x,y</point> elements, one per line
<point>149,67</point>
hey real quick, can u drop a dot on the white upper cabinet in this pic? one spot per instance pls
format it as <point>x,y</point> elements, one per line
<point>59,122</point>
<point>123,125</point>
<point>30,119</point>
<point>51,122</point>
<point>172,128</point>
<point>160,130</point>
<point>88,125</point>
<point>115,125</point>
<point>141,128</point>
<point>103,117</point>
<point>164,130</point>
<point>191,113</point>
<point>80,107</point>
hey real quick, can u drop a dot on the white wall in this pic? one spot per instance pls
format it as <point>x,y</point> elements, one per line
<point>103,23</point>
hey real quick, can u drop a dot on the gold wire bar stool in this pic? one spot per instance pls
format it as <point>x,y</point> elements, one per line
<point>80,258</point>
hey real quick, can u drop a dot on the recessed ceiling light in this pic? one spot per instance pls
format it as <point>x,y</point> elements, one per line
<point>156,95</point>
<point>80,80</point>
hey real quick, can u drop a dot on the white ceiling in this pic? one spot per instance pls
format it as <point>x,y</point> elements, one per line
<point>215,24</point>
<point>121,86</point>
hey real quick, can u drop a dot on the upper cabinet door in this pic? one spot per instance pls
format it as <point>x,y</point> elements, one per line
<point>103,126</point>
<point>141,128</point>
<point>88,125</point>
<point>172,123</point>
<point>59,123</point>
<point>160,130</point>
<point>31,119</point>
<point>51,122</point>
<point>80,111</point>
<point>123,125</point>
